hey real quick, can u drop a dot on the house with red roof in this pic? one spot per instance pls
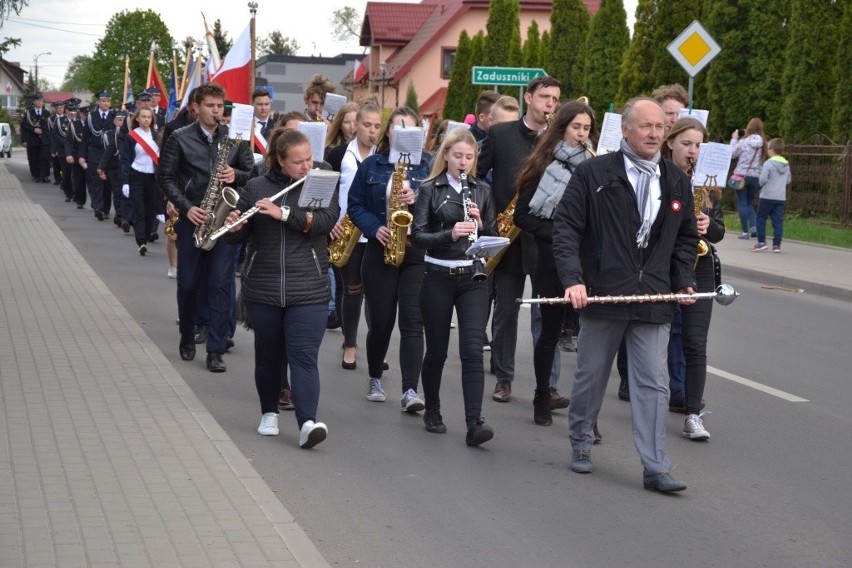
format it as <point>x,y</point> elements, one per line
<point>416,43</point>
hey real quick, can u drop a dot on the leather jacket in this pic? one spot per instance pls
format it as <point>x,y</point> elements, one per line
<point>188,160</point>
<point>439,207</point>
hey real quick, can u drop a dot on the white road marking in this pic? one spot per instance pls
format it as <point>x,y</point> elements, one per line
<point>755,385</point>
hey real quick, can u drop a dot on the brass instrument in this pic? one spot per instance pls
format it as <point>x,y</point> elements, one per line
<point>505,228</point>
<point>340,249</point>
<point>588,145</point>
<point>699,195</point>
<point>218,200</point>
<point>399,218</point>
<point>724,294</point>
<point>169,229</point>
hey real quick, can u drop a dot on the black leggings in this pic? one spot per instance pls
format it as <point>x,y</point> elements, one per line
<point>385,288</point>
<point>545,283</point>
<point>696,323</point>
<point>439,294</point>
<point>353,296</point>
<point>143,196</point>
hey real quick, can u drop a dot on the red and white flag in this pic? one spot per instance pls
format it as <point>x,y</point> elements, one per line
<point>154,80</point>
<point>235,73</point>
<point>360,71</point>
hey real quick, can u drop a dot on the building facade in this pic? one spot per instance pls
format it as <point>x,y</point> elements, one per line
<point>287,76</point>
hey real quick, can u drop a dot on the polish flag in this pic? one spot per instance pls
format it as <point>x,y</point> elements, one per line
<point>235,73</point>
<point>360,71</point>
<point>154,80</point>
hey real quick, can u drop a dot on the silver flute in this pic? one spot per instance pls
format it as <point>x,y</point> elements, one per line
<point>724,294</point>
<point>250,212</point>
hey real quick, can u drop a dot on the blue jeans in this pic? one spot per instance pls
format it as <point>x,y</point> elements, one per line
<point>775,211</point>
<point>745,207</point>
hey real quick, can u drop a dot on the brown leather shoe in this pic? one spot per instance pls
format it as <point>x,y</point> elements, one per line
<point>558,401</point>
<point>285,401</point>
<point>502,391</point>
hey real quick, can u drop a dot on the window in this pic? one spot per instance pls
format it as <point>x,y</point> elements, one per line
<point>448,55</point>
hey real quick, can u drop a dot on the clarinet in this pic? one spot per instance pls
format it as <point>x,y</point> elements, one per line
<point>478,266</point>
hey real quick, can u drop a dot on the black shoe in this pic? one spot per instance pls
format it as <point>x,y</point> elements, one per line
<point>58,182</point>
<point>200,334</point>
<point>333,322</point>
<point>349,366</point>
<point>125,226</point>
<point>215,363</point>
<point>624,391</point>
<point>153,237</point>
<point>116,221</point>
<point>541,408</point>
<point>143,249</point>
<point>67,200</point>
<point>478,432</point>
<point>229,344</point>
<point>187,347</point>
<point>385,366</point>
<point>662,481</point>
<point>434,421</point>
<point>99,215</point>
<point>677,403</point>
<point>79,206</point>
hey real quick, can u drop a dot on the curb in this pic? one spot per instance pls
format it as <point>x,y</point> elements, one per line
<point>813,288</point>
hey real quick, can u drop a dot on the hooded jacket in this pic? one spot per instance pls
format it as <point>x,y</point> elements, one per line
<point>775,176</point>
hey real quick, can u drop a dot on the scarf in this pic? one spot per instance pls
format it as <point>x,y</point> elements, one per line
<point>555,178</point>
<point>647,168</point>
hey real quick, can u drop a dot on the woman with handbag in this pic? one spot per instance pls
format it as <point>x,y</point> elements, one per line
<point>750,151</point>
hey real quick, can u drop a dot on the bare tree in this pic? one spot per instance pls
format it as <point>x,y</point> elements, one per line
<point>345,24</point>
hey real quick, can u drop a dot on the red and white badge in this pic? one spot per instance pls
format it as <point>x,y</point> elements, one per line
<point>676,206</point>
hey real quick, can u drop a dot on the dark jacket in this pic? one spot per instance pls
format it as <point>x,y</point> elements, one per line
<point>505,150</point>
<point>95,128</point>
<point>367,206</point>
<point>29,122</point>
<point>59,131</point>
<point>110,162</point>
<point>334,156</point>
<point>189,159</point>
<point>284,266</point>
<point>439,207</point>
<point>594,239</point>
<point>128,155</point>
<point>76,139</point>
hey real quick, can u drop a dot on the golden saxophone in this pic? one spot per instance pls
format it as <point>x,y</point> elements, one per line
<point>340,249</point>
<point>505,228</point>
<point>169,229</point>
<point>218,200</point>
<point>699,196</point>
<point>399,219</point>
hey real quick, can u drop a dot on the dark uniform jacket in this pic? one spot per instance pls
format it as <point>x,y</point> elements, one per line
<point>505,150</point>
<point>95,128</point>
<point>59,132</point>
<point>76,139</point>
<point>439,207</point>
<point>594,239</point>
<point>189,159</point>
<point>29,122</point>
<point>284,266</point>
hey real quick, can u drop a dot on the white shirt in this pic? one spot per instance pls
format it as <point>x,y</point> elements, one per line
<point>142,162</point>
<point>655,193</point>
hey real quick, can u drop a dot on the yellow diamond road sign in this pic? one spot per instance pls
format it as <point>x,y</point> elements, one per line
<point>694,48</point>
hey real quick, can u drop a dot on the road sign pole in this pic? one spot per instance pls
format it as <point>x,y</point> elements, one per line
<point>691,85</point>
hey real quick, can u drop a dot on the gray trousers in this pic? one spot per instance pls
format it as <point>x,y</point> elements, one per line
<point>648,378</point>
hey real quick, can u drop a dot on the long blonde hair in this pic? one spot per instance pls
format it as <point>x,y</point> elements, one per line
<point>439,163</point>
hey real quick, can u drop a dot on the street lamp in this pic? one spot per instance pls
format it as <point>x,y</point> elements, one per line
<point>384,68</point>
<point>35,59</point>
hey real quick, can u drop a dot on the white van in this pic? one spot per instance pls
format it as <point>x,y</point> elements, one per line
<point>5,140</point>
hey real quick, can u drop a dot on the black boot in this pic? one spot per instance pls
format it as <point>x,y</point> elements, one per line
<point>187,347</point>
<point>541,407</point>
<point>478,432</point>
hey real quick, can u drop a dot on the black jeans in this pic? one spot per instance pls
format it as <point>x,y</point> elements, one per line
<point>439,294</point>
<point>508,287</point>
<point>353,296</point>
<point>385,288</point>
<point>143,195</point>
<point>545,283</point>
<point>696,323</point>
<point>289,336</point>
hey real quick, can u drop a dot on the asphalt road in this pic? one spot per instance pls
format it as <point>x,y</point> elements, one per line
<point>771,488</point>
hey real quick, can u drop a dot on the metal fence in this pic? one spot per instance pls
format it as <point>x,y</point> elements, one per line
<point>822,180</point>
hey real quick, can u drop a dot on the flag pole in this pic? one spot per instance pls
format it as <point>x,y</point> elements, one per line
<point>174,69</point>
<point>151,62</point>
<point>126,76</point>
<point>185,75</point>
<point>252,6</point>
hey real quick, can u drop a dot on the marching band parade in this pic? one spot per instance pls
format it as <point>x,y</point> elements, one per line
<point>341,220</point>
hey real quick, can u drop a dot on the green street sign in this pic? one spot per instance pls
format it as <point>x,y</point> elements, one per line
<point>507,76</point>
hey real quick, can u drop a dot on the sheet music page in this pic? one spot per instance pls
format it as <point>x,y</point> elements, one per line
<point>315,131</point>
<point>487,246</point>
<point>333,103</point>
<point>406,143</point>
<point>452,125</point>
<point>242,118</point>
<point>711,168</point>
<point>610,140</point>
<point>318,190</point>
<point>698,114</point>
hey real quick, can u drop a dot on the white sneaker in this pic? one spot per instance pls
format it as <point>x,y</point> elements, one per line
<point>172,273</point>
<point>693,428</point>
<point>312,434</point>
<point>376,394</point>
<point>268,424</point>
<point>411,401</point>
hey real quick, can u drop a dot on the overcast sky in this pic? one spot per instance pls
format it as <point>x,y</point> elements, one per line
<point>66,29</point>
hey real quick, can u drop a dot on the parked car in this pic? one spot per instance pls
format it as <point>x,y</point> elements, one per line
<point>5,139</point>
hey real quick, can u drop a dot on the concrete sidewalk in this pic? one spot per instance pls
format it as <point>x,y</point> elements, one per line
<point>107,457</point>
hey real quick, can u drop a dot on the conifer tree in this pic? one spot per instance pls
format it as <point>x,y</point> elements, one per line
<point>515,59</point>
<point>477,57</point>
<point>503,18</point>
<point>842,118</point>
<point>607,41</point>
<point>633,78</point>
<point>411,98</point>
<point>532,47</point>
<point>459,86</point>
<point>569,23</point>
<point>808,82</point>
<point>768,33</point>
<point>544,52</point>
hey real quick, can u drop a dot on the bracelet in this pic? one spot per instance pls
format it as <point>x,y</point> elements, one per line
<point>309,222</point>
<point>285,213</point>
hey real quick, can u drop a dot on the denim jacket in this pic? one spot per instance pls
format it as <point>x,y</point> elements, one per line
<point>367,206</point>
